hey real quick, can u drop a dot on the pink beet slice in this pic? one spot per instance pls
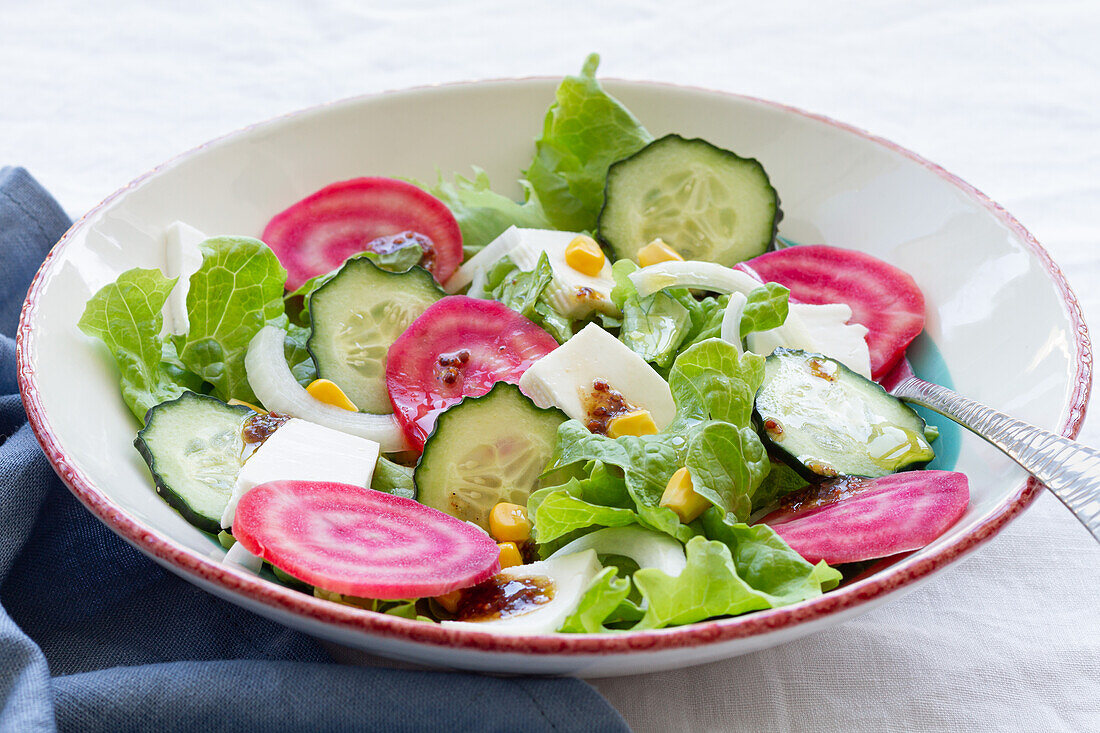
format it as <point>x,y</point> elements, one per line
<point>317,234</point>
<point>360,542</point>
<point>458,347</point>
<point>883,298</point>
<point>852,519</point>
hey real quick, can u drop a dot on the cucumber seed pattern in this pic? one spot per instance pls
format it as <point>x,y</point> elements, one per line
<point>504,470</point>
<point>690,209</point>
<point>213,460</point>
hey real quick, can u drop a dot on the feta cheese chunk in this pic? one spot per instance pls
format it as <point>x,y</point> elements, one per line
<point>182,259</point>
<point>572,293</point>
<point>820,329</point>
<point>564,377</point>
<point>305,451</point>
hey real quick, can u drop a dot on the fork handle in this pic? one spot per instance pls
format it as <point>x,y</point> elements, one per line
<point>1069,469</point>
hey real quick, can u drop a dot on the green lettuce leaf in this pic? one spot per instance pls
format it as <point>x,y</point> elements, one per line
<point>557,325</point>
<point>752,570</point>
<point>625,615</point>
<point>519,290</point>
<point>393,478</point>
<point>706,315</point>
<point>709,586</point>
<point>653,327</point>
<point>483,215</point>
<point>607,322</point>
<point>126,316</point>
<point>281,575</point>
<point>404,609</point>
<point>177,372</point>
<point>711,381</point>
<point>780,481</point>
<point>597,499</point>
<point>237,291</point>
<point>400,259</point>
<point>605,594</point>
<point>712,436</point>
<point>727,464</point>
<point>766,309</point>
<point>306,289</point>
<point>740,568</point>
<point>297,354</point>
<point>767,563</point>
<point>714,388</point>
<point>561,512</point>
<point>524,291</point>
<point>647,463</point>
<point>585,131</point>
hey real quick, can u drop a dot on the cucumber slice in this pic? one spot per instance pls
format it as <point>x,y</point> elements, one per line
<point>485,450</point>
<point>707,203</point>
<point>193,446</point>
<point>356,316</point>
<point>825,420</point>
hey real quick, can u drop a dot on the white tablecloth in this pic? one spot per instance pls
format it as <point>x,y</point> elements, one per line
<point>1005,94</point>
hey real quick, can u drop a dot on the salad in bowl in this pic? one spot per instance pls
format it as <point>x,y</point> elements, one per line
<point>623,403</point>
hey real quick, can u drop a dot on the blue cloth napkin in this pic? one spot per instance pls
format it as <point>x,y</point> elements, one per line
<point>95,637</point>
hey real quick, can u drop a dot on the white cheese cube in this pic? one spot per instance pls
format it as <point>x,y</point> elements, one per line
<point>182,259</point>
<point>572,293</point>
<point>564,377</point>
<point>820,329</point>
<point>305,451</point>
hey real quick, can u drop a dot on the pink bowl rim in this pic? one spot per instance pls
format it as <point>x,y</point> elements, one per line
<point>199,568</point>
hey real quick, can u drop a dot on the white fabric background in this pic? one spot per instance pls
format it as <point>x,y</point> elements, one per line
<point>1004,94</point>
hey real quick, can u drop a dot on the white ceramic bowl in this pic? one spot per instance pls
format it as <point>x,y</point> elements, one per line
<point>999,313</point>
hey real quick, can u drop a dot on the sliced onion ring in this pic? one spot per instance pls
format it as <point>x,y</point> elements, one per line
<point>693,274</point>
<point>272,381</point>
<point>646,547</point>
<point>731,320</point>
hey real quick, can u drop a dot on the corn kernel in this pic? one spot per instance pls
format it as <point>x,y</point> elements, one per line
<point>657,251</point>
<point>249,405</point>
<point>584,255</point>
<point>639,422</point>
<point>509,523</point>
<point>680,497</point>
<point>326,391</point>
<point>509,555</point>
<point>449,601</point>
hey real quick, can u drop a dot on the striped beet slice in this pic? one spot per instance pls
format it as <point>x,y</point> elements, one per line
<point>458,347</point>
<point>360,542</point>
<point>854,519</point>
<point>317,234</point>
<point>883,298</point>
